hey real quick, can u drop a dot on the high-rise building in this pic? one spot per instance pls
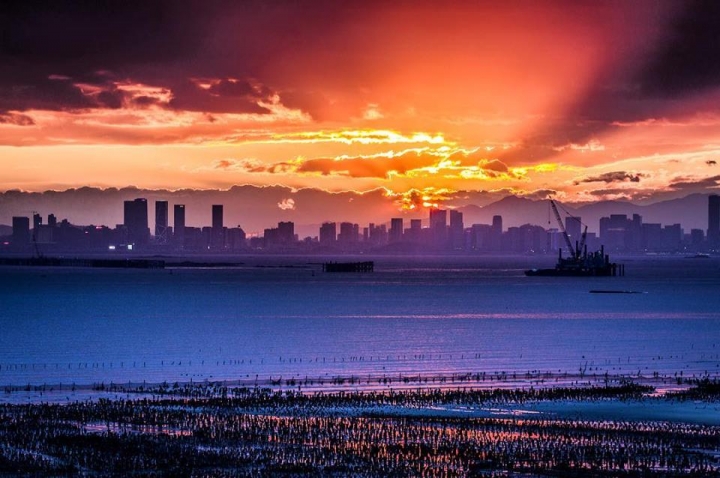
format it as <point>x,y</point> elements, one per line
<point>496,231</point>
<point>52,220</point>
<point>348,233</point>
<point>396,229</point>
<point>217,238</point>
<point>136,221</point>
<point>161,222</point>
<point>217,216</point>
<point>438,218</point>
<point>328,233</point>
<point>286,232</point>
<point>573,227</point>
<point>179,225</point>
<point>438,227</point>
<point>20,231</point>
<point>713,232</point>
<point>457,230</point>
<point>615,232</point>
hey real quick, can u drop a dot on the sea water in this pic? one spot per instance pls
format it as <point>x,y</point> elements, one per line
<point>282,318</point>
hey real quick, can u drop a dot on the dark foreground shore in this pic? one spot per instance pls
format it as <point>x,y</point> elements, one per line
<point>215,431</point>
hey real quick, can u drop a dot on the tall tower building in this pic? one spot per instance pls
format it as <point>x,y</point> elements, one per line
<point>396,229</point>
<point>136,221</point>
<point>161,222</point>
<point>438,227</point>
<point>713,232</point>
<point>286,232</point>
<point>179,225</point>
<point>496,231</point>
<point>20,231</point>
<point>573,226</point>
<point>457,230</point>
<point>217,239</point>
<point>217,216</point>
<point>328,233</point>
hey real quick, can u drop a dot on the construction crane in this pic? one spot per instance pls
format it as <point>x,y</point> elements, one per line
<point>573,252</point>
<point>583,238</point>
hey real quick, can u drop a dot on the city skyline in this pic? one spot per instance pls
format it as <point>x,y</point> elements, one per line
<point>424,104</point>
<point>444,231</point>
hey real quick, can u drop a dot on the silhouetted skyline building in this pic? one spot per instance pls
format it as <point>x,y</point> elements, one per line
<point>396,229</point>
<point>161,222</point>
<point>438,227</point>
<point>573,227</point>
<point>713,231</point>
<point>136,221</point>
<point>457,230</point>
<point>179,226</point>
<point>349,233</point>
<point>328,233</point>
<point>20,231</point>
<point>217,216</point>
<point>496,231</point>
<point>217,233</point>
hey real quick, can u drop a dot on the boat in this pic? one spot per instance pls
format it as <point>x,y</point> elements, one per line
<point>593,264</point>
<point>580,262</point>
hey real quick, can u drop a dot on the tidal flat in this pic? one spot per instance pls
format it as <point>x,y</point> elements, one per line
<point>211,430</point>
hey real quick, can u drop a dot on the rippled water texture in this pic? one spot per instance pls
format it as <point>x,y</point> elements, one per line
<point>433,316</point>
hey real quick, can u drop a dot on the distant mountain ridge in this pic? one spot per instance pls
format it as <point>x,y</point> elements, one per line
<point>690,211</point>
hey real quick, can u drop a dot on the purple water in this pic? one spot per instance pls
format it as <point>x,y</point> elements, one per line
<point>411,316</point>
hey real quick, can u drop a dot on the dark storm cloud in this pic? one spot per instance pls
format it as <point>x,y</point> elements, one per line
<point>161,43</point>
<point>226,96</point>
<point>687,61</point>
<point>611,192</point>
<point>690,183</point>
<point>682,62</point>
<point>95,34</point>
<point>16,119</point>
<point>613,177</point>
<point>48,48</point>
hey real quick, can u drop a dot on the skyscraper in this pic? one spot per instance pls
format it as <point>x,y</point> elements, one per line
<point>20,231</point>
<point>136,221</point>
<point>396,229</point>
<point>713,232</point>
<point>438,227</point>
<point>573,227</point>
<point>217,216</point>
<point>161,222</point>
<point>328,233</point>
<point>217,240</point>
<point>179,226</point>
<point>286,232</point>
<point>457,230</point>
<point>496,231</point>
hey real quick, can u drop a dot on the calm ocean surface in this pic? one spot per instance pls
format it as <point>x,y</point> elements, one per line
<point>411,316</point>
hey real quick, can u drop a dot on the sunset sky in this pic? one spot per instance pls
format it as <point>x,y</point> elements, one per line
<point>424,100</point>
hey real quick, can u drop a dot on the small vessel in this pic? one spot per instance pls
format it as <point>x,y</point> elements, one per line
<point>593,264</point>
<point>580,263</point>
<point>367,266</point>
